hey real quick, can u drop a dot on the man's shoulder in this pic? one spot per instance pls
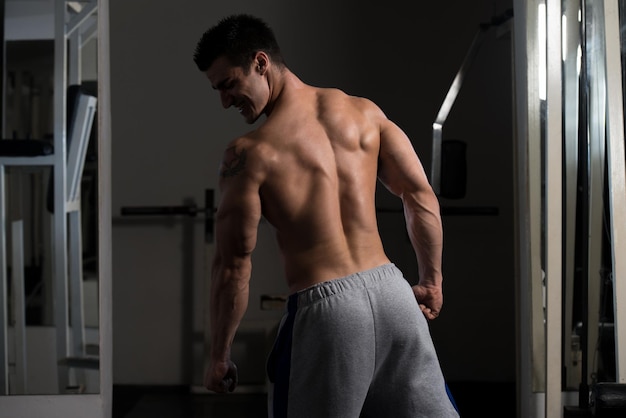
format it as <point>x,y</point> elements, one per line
<point>333,97</point>
<point>330,95</point>
<point>234,160</point>
<point>247,153</point>
<point>250,141</point>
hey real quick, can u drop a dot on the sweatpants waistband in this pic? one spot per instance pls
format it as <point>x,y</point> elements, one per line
<point>357,280</point>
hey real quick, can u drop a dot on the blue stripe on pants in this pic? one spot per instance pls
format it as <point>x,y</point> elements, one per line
<point>279,363</point>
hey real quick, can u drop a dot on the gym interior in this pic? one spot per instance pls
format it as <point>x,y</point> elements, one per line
<point>107,195</point>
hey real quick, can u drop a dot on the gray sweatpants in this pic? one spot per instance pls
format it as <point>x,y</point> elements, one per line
<point>354,347</point>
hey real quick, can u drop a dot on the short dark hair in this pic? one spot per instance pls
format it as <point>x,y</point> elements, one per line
<point>237,37</point>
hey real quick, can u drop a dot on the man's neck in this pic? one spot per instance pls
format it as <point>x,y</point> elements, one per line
<point>282,84</point>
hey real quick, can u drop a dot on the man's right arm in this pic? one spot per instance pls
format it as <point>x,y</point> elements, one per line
<point>401,171</point>
<point>237,220</point>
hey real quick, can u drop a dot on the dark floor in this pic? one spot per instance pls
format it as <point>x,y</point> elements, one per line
<point>473,399</point>
<point>177,404</point>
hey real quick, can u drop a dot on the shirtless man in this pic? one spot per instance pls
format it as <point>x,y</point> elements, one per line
<point>353,341</point>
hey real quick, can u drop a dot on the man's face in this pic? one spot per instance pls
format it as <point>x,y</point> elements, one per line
<point>248,93</point>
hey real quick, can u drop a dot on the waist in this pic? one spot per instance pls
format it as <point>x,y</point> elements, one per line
<point>334,286</point>
<point>310,271</point>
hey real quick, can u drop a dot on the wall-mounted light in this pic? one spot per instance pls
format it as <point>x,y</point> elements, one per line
<point>542,48</point>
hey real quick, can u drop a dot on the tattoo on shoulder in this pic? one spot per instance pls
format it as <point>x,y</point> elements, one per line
<point>234,162</point>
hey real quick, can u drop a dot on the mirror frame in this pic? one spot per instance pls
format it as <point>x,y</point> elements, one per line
<point>92,405</point>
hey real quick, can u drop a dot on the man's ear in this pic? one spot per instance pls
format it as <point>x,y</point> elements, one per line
<point>262,62</point>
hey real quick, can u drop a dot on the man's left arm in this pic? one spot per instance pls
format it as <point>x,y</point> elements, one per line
<point>401,171</point>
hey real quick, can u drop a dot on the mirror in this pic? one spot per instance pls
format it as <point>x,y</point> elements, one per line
<point>49,338</point>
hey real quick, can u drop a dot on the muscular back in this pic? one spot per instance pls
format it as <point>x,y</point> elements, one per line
<point>315,162</point>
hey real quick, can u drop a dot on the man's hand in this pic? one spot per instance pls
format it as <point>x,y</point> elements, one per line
<point>221,377</point>
<point>430,300</point>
